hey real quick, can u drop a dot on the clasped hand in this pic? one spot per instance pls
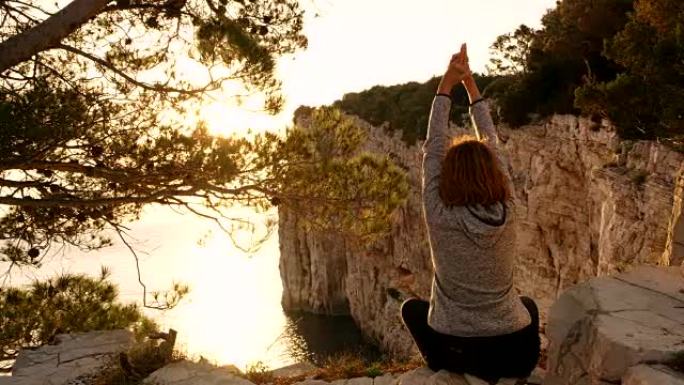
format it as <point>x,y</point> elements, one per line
<point>457,71</point>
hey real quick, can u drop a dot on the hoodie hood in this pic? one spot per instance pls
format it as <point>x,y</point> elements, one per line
<point>484,224</point>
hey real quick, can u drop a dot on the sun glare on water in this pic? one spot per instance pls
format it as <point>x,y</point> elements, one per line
<point>224,316</point>
<point>232,314</point>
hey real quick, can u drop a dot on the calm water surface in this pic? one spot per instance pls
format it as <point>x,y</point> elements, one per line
<point>233,313</point>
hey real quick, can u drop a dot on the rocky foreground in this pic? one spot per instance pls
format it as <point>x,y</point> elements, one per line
<point>626,329</point>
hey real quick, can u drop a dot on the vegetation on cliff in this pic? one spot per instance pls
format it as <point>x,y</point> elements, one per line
<point>34,315</point>
<point>322,162</point>
<point>615,59</point>
<point>405,107</point>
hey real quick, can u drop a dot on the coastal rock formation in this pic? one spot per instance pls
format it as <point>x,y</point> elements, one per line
<point>69,358</point>
<point>314,277</point>
<point>607,329</point>
<point>323,271</point>
<point>590,204</point>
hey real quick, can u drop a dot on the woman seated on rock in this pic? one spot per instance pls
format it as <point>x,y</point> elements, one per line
<point>475,322</point>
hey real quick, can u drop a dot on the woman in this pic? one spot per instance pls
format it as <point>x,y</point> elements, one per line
<point>475,322</point>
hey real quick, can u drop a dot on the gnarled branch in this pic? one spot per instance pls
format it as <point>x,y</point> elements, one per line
<point>49,33</point>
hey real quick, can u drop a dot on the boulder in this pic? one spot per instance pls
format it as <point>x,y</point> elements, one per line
<point>73,356</point>
<point>385,379</point>
<point>425,376</point>
<point>294,370</point>
<point>360,381</point>
<point>312,382</point>
<point>191,373</point>
<point>652,375</point>
<point>446,378</point>
<point>416,377</point>
<point>599,329</point>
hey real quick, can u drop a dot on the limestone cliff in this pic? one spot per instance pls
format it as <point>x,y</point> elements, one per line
<point>590,204</point>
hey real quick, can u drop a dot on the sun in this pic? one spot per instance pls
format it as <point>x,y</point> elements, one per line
<point>244,119</point>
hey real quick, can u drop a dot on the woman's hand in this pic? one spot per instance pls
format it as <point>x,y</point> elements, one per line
<point>457,72</point>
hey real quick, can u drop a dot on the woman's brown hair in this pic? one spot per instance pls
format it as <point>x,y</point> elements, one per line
<point>471,174</point>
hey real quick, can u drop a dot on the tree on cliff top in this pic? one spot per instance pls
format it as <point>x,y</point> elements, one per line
<point>553,61</point>
<point>94,96</point>
<point>405,107</point>
<point>614,59</point>
<point>646,99</point>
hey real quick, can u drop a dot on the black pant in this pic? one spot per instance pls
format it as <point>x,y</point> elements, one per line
<point>512,355</point>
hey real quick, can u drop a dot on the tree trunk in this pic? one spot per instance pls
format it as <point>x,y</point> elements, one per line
<point>49,33</point>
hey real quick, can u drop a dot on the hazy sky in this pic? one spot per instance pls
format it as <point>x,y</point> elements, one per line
<point>356,44</point>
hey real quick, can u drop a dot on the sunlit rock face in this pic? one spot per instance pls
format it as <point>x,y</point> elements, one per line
<point>618,329</point>
<point>590,204</point>
<point>315,279</point>
<point>324,273</point>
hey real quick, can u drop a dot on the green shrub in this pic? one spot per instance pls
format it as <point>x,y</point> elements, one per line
<point>374,370</point>
<point>69,303</point>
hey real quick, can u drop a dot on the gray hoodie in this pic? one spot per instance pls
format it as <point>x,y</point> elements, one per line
<point>472,247</point>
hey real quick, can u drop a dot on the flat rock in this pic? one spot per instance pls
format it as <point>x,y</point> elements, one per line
<point>599,329</point>
<point>191,373</point>
<point>472,380</point>
<point>72,357</point>
<point>446,378</point>
<point>385,379</point>
<point>360,381</point>
<point>312,382</point>
<point>415,377</point>
<point>537,376</point>
<point>425,376</point>
<point>652,375</point>
<point>294,370</point>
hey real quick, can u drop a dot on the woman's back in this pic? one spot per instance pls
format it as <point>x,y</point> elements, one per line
<point>475,322</point>
<point>472,246</point>
<point>472,290</point>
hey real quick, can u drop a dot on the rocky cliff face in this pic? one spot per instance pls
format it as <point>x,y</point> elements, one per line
<point>590,204</point>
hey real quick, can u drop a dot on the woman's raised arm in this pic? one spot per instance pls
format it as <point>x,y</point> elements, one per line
<point>480,115</point>
<point>437,141</point>
<point>484,127</point>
